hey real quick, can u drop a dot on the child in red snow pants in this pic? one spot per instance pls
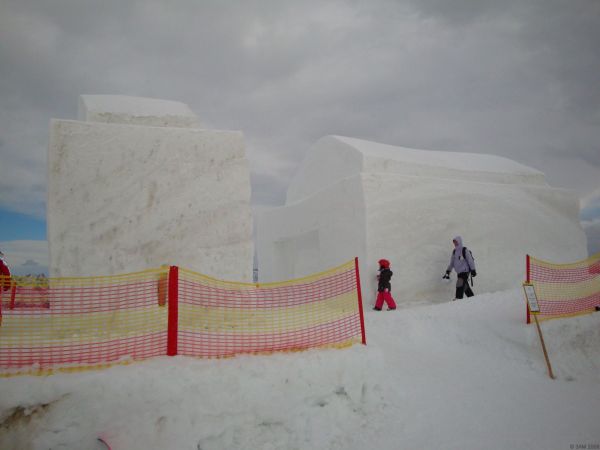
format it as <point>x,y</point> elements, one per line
<point>384,287</point>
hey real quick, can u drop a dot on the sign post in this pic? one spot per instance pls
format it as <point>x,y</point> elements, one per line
<point>534,308</point>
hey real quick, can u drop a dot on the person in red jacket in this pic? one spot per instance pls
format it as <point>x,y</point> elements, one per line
<point>384,287</point>
<point>4,274</point>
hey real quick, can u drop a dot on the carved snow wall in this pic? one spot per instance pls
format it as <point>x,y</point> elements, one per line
<point>357,198</point>
<point>137,184</point>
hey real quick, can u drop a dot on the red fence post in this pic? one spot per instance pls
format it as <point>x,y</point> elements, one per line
<point>173,311</point>
<point>360,305</point>
<point>528,280</point>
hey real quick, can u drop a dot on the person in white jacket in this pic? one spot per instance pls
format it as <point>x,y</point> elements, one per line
<point>462,262</point>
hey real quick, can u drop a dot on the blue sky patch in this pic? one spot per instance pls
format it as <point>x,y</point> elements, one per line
<point>15,226</point>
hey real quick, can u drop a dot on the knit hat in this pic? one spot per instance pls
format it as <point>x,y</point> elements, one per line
<point>384,263</point>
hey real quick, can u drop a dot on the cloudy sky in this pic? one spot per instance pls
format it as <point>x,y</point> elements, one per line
<point>517,78</point>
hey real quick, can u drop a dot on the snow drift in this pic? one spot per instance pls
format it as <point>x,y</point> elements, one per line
<point>463,375</point>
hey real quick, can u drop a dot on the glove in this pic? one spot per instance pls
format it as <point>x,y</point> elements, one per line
<point>447,276</point>
<point>473,273</point>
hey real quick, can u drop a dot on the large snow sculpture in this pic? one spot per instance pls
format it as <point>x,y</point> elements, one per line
<point>357,198</point>
<point>145,188</point>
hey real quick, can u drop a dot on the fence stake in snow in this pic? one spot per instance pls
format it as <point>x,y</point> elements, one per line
<point>534,308</point>
<point>173,311</point>
<point>360,305</point>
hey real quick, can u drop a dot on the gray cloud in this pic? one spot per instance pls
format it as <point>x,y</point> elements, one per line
<point>590,206</point>
<point>514,78</point>
<point>30,267</point>
<point>592,232</point>
<point>26,257</point>
<point>590,220</point>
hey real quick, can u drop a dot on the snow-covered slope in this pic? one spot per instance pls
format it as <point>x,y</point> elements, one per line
<point>461,375</point>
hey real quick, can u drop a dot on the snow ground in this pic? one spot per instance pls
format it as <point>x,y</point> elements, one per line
<point>462,375</point>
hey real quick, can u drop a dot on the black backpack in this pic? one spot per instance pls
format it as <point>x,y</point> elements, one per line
<point>464,253</point>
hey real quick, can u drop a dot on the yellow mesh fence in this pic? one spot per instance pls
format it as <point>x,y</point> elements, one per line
<point>220,318</point>
<point>565,290</point>
<point>71,324</point>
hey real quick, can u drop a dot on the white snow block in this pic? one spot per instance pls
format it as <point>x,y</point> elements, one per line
<point>307,237</point>
<point>357,198</point>
<point>128,110</point>
<point>123,198</point>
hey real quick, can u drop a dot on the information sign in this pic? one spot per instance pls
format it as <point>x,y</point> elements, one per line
<point>531,297</point>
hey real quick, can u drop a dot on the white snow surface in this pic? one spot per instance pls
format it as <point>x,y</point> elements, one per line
<point>130,110</point>
<point>461,375</point>
<point>337,157</point>
<point>450,160</point>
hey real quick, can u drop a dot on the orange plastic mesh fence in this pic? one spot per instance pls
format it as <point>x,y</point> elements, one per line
<point>218,318</point>
<point>71,324</point>
<point>74,323</point>
<point>566,289</point>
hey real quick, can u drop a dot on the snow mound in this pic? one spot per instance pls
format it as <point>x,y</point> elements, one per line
<point>467,374</point>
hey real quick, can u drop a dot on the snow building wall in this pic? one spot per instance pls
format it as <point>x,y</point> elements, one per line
<point>322,232</point>
<point>414,202</point>
<point>333,158</point>
<point>123,198</point>
<point>413,223</point>
<point>327,161</point>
